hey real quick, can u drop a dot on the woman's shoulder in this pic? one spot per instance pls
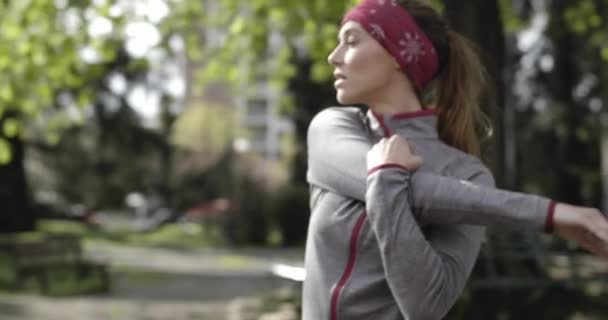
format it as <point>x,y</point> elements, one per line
<point>340,112</point>
<point>338,116</point>
<point>466,166</point>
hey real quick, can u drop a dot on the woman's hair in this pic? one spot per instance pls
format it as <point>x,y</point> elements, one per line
<point>456,90</point>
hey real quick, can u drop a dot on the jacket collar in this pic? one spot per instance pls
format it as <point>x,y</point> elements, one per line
<point>417,124</point>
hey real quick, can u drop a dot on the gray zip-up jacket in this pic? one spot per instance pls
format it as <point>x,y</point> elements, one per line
<point>393,244</point>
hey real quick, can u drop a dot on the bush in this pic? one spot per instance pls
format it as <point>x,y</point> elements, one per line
<point>291,212</point>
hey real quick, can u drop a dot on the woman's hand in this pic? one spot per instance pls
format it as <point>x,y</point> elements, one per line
<point>394,150</point>
<point>586,226</point>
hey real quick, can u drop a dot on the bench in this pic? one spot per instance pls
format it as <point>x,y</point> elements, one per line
<point>37,259</point>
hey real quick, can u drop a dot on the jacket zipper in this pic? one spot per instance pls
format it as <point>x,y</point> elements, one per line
<point>348,270</point>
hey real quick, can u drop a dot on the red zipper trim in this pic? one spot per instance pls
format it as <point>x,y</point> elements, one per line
<point>385,128</point>
<point>350,265</point>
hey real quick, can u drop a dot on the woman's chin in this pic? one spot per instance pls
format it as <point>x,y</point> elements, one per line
<point>344,98</point>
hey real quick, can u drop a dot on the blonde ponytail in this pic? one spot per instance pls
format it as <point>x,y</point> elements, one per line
<point>456,90</point>
<point>461,123</point>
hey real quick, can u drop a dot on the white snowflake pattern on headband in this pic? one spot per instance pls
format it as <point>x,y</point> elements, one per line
<point>377,31</point>
<point>412,47</point>
<point>382,2</point>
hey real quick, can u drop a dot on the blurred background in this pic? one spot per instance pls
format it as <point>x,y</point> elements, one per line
<point>153,154</point>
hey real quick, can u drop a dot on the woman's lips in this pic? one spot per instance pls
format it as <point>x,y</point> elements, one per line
<point>339,78</point>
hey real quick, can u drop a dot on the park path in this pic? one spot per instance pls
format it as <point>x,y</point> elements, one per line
<point>154,284</point>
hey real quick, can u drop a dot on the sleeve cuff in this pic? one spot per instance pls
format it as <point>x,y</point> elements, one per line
<point>386,165</point>
<point>549,224</point>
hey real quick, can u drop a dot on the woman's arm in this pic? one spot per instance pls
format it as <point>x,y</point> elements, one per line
<point>426,274</point>
<point>586,226</point>
<point>338,142</point>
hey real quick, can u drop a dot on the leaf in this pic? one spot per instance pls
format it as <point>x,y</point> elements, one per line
<point>238,25</point>
<point>604,53</point>
<point>6,93</point>
<point>11,128</point>
<point>5,152</point>
<point>11,32</point>
<point>52,138</point>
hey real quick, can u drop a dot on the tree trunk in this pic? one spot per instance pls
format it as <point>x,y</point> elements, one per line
<point>16,214</point>
<point>562,82</point>
<point>480,21</point>
<point>603,119</point>
<point>603,137</point>
<point>166,153</point>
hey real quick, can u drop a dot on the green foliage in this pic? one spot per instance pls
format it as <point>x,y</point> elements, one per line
<point>205,129</point>
<point>512,22</point>
<point>194,185</point>
<point>250,27</point>
<point>48,48</point>
<point>5,152</point>
<point>604,53</point>
<point>290,211</point>
<point>176,236</point>
<point>583,16</point>
<point>116,156</point>
<point>38,57</point>
<point>586,19</point>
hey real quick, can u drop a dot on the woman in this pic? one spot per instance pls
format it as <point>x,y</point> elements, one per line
<point>400,241</point>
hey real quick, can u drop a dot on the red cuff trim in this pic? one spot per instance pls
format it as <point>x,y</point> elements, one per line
<point>386,165</point>
<point>549,225</point>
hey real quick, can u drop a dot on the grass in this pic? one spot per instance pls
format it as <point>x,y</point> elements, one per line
<point>139,277</point>
<point>6,275</point>
<point>288,296</point>
<point>61,281</point>
<point>174,236</point>
<point>232,261</point>
<point>65,282</point>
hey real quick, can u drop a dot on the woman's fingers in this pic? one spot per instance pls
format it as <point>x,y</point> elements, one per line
<point>394,149</point>
<point>587,240</point>
<point>399,142</point>
<point>594,244</point>
<point>586,226</point>
<point>416,162</point>
<point>598,230</point>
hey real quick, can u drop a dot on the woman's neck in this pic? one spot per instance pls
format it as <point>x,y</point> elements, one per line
<point>397,106</point>
<point>398,97</point>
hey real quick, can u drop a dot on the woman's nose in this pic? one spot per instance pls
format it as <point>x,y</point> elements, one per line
<point>333,57</point>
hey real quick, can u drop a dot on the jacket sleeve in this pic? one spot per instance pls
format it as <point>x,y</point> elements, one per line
<point>426,275</point>
<point>338,142</point>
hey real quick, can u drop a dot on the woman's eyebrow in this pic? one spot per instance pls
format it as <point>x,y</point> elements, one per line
<point>348,32</point>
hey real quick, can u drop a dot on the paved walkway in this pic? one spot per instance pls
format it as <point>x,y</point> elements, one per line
<point>151,284</point>
<point>255,261</point>
<point>85,308</point>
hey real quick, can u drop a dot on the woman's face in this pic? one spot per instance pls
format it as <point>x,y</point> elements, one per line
<point>363,68</point>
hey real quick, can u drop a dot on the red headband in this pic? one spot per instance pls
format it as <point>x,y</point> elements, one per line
<point>396,30</point>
